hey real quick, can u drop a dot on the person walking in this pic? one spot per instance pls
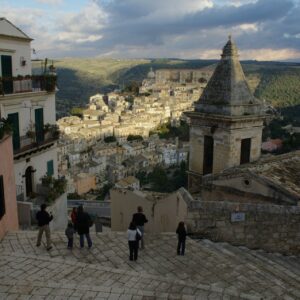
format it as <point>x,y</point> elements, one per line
<point>70,235</point>
<point>181,234</point>
<point>133,234</point>
<point>74,217</point>
<point>139,219</point>
<point>44,218</point>
<point>83,224</point>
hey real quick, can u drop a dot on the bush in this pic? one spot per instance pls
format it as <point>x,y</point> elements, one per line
<point>110,139</point>
<point>132,137</point>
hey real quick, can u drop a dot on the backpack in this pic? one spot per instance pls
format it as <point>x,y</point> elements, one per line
<point>138,236</point>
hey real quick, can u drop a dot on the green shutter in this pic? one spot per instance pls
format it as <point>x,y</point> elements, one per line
<point>50,168</point>
<point>6,70</point>
<point>39,124</point>
<point>14,121</point>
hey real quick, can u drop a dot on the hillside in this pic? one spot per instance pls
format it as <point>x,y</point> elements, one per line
<point>78,79</point>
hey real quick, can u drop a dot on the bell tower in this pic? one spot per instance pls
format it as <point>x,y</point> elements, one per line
<point>226,125</point>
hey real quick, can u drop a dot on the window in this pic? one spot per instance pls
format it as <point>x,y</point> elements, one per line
<point>208,155</point>
<point>50,168</point>
<point>2,200</point>
<point>245,151</point>
<point>13,119</point>
<point>6,72</point>
<point>39,124</point>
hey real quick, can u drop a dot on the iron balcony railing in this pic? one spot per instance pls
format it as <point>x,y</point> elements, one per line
<point>25,84</point>
<point>35,140</point>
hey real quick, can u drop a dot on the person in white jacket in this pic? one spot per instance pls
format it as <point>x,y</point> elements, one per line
<point>133,235</point>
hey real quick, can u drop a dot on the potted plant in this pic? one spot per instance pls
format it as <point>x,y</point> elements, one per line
<point>5,127</point>
<point>31,134</point>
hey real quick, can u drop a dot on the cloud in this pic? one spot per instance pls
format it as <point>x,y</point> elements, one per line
<point>51,2</point>
<point>165,28</point>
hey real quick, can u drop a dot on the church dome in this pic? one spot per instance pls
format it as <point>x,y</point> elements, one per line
<point>151,74</point>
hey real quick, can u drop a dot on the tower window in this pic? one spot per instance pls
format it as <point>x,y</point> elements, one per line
<point>208,156</point>
<point>245,151</point>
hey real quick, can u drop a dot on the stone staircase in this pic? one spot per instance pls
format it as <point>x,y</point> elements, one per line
<point>207,271</point>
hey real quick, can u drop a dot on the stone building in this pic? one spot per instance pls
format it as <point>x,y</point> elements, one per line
<point>28,102</point>
<point>226,126</point>
<point>8,202</point>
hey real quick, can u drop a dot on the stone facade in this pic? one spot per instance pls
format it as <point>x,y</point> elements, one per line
<point>273,228</point>
<point>163,211</point>
<point>9,221</point>
<point>228,118</point>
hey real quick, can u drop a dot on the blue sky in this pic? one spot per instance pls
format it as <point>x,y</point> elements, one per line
<point>262,29</point>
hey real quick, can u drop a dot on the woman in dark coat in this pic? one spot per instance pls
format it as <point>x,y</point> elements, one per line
<point>83,224</point>
<point>181,233</point>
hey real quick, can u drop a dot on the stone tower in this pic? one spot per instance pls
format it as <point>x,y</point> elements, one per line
<point>226,126</point>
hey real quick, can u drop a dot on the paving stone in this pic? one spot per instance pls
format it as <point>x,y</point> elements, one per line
<point>207,271</point>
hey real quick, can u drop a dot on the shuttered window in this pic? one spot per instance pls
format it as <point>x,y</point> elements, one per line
<point>50,168</point>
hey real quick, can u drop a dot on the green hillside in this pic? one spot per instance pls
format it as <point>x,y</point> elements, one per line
<point>78,79</point>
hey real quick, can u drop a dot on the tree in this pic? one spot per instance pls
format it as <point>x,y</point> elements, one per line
<point>132,137</point>
<point>77,111</point>
<point>110,139</point>
<point>160,181</point>
<point>103,192</point>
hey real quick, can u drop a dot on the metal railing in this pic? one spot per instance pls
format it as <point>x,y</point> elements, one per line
<point>20,193</point>
<point>33,83</point>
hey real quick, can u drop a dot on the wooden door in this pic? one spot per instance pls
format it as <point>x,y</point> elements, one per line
<point>29,181</point>
<point>39,125</point>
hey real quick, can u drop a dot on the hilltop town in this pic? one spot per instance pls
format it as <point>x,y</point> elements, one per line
<point>184,151</point>
<point>116,135</point>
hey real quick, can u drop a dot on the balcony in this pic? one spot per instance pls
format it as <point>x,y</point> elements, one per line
<point>35,142</point>
<point>27,84</point>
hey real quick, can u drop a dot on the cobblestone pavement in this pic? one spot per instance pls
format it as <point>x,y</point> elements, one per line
<point>207,271</point>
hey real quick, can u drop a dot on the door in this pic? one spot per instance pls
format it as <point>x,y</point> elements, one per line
<point>14,121</point>
<point>208,156</point>
<point>245,151</point>
<point>29,181</point>
<point>39,125</point>
<point>6,70</point>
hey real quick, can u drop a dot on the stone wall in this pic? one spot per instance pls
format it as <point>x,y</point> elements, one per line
<point>9,220</point>
<point>59,210</point>
<point>273,228</point>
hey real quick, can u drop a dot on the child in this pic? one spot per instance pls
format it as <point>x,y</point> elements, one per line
<point>181,233</point>
<point>70,233</point>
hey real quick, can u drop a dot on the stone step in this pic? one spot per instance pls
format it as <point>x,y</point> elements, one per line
<point>207,266</point>
<point>289,262</point>
<point>60,274</point>
<point>257,269</point>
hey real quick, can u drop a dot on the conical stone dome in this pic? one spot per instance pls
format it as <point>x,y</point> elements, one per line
<point>227,92</point>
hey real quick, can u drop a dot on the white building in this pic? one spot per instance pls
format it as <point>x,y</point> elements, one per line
<point>28,102</point>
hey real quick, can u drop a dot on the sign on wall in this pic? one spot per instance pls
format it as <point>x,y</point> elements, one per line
<point>238,217</point>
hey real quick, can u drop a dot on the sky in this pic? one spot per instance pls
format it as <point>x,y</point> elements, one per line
<point>190,29</point>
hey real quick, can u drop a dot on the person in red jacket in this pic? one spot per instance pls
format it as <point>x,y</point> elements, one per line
<point>74,217</point>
